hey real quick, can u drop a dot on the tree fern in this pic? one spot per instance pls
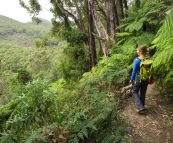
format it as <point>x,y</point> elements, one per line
<point>163,57</point>
<point>142,16</point>
<point>163,41</point>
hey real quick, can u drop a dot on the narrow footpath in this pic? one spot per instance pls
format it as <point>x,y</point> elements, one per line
<point>156,126</point>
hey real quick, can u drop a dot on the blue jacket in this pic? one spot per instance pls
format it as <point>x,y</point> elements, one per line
<point>136,70</point>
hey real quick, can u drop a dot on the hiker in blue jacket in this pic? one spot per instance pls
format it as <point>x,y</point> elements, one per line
<point>139,85</point>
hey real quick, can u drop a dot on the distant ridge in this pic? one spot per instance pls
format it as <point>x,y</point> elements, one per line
<point>44,22</point>
<point>8,19</point>
<point>23,34</point>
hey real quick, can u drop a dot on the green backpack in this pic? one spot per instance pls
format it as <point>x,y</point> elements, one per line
<point>145,69</point>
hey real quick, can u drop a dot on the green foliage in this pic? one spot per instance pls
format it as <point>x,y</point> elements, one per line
<point>164,55</point>
<point>138,3</point>
<point>12,58</point>
<point>140,26</point>
<point>128,40</point>
<point>36,107</point>
<point>96,116</point>
<point>14,85</point>
<point>115,69</point>
<point>41,43</point>
<point>81,111</point>
<point>35,60</point>
<point>75,112</point>
<point>58,26</point>
<point>23,76</point>
<point>40,62</point>
<point>74,37</point>
<point>5,113</point>
<point>33,8</point>
<point>49,133</point>
<point>4,92</point>
<point>143,16</point>
<point>12,55</point>
<point>74,63</point>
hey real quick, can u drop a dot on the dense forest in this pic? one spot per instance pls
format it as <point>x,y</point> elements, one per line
<point>60,82</point>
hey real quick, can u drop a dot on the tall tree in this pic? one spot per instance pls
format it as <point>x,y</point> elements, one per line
<point>91,36</point>
<point>121,8</point>
<point>125,4</point>
<point>111,18</point>
<point>102,34</point>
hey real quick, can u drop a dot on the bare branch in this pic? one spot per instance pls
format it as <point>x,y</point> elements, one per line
<point>80,16</point>
<point>98,37</point>
<point>68,14</point>
<point>101,9</point>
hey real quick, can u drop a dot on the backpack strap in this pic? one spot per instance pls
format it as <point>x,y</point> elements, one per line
<point>146,58</point>
<point>137,72</point>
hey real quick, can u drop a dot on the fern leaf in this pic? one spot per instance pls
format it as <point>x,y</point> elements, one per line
<point>80,135</point>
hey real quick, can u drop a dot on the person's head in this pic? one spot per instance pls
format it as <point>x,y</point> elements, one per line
<point>142,50</point>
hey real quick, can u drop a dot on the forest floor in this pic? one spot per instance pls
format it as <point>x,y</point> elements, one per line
<point>156,126</point>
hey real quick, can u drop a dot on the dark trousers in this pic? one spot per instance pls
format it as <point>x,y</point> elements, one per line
<point>139,91</point>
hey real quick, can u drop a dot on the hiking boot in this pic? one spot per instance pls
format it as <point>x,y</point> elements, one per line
<point>142,111</point>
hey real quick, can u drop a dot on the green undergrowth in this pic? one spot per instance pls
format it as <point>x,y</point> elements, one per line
<point>76,111</point>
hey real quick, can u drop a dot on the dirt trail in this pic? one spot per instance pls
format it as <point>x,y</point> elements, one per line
<point>156,126</point>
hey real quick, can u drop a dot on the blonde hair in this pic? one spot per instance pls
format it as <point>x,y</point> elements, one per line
<point>143,49</point>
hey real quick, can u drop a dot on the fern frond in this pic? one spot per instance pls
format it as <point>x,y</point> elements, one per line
<point>163,57</point>
<point>135,26</point>
<point>109,139</point>
<point>169,77</point>
<point>123,34</point>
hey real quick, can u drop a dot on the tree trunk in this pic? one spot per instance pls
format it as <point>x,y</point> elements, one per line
<point>110,18</point>
<point>92,45</point>
<point>121,9</point>
<point>66,22</point>
<point>103,36</point>
<point>116,18</point>
<point>125,5</point>
<point>80,17</point>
